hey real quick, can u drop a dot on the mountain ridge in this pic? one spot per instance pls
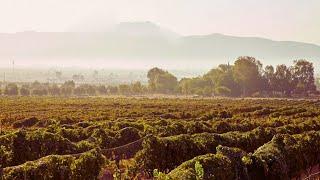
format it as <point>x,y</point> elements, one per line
<point>148,41</point>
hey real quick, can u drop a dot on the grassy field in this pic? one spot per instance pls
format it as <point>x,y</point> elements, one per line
<point>166,138</point>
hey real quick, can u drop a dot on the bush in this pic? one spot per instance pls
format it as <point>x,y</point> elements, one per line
<point>25,122</point>
<point>215,166</point>
<point>27,146</point>
<point>87,166</point>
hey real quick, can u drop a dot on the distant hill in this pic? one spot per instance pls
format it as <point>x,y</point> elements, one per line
<point>147,41</point>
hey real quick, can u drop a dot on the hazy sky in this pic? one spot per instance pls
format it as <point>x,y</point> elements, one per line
<point>296,20</point>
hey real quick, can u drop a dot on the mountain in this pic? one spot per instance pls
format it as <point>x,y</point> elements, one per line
<point>146,42</point>
<point>222,46</point>
<point>145,29</point>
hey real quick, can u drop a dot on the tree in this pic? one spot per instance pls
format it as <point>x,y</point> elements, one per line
<point>124,89</point>
<point>222,91</point>
<point>102,89</point>
<point>11,89</point>
<point>137,87</point>
<point>166,83</point>
<point>85,89</point>
<point>303,76</point>
<point>54,90</point>
<point>198,85</point>
<point>79,91</point>
<point>67,88</point>
<point>223,76</point>
<point>283,80</point>
<point>112,89</point>
<point>161,81</point>
<point>152,75</point>
<point>247,72</point>
<point>91,90</point>
<point>40,91</point>
<point>70,84</point>
<point>25,90</point>
<point>183,86</point>
<point>269,77</point>
<point>318,83</point>
<point>35,85</point>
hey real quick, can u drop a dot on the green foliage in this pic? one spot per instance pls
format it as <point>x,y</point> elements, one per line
<point>223,91</point>
<point>215,166</point>
<point>283,79</point>
<point>245,78</point>
<point>30,146</point>
<point>303,73</point>
<point>284,154</point>
<point>247,74</point>
<point>161,81</point>
<point>223,77</point>
<point>87,166</point>
<point>248,138</point>
<point>280,158</point>
<point>159,175</point>
<point>317,82</point>
<point>124,89</point>
<point>199,170</point>
<point>166,153</point>
<point>200,86</point>
<point>6,156</point>
<point>137,88</point>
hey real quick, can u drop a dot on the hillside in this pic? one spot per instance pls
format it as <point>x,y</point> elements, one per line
<point>146,41</point>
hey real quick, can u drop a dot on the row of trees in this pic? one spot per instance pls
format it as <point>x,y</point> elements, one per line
<point>245,78</point>
<point>69,88</point>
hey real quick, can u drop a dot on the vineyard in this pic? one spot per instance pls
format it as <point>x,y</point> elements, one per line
<point>161,138</point>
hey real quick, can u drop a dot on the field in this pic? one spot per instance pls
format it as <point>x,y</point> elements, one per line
<point>162,138</point>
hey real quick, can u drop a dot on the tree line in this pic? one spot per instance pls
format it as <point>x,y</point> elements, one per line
<point>70,88</point>
<point>246,77</point>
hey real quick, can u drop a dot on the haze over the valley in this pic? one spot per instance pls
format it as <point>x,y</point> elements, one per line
<point>142,34</point>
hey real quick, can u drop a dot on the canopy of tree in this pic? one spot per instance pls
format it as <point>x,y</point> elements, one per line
<point>161,81</point>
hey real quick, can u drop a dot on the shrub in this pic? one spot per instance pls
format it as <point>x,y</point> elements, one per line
<point>25,122</point>
<point>87,166</point>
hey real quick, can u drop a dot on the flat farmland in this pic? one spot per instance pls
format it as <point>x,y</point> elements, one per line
<point>164,138</point>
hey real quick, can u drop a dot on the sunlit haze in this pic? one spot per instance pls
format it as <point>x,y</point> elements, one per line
<point>284,20</point>
<point>294,20</point>
<point>159,89</point>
